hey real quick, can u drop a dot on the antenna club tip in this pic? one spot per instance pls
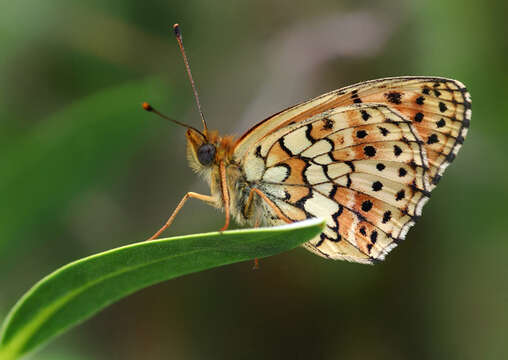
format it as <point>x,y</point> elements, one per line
<point>147,106</point>
<point>176,30</point>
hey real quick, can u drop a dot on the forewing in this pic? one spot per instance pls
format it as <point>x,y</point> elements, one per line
<point>439,110</point>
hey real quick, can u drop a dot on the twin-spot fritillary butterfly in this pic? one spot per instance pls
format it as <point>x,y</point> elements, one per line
<point>364,158</point>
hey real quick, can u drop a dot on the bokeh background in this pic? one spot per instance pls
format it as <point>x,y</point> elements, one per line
<point>83,169</point>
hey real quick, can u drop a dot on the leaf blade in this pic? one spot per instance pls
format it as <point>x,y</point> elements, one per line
<point>80,289</point>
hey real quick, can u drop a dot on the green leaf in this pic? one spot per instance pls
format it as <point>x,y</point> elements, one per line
<point>80,289</point>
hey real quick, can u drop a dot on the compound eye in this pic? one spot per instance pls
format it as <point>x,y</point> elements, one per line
<point>206,154</point>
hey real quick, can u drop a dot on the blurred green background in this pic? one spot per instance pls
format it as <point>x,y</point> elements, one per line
<point>84,169</point>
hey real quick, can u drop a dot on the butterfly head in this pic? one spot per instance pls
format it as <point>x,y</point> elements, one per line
<point>206,149</point>
<point>201,152</point>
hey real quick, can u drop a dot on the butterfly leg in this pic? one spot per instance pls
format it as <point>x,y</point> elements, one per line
<point>256,260</point>
<point>205,198</point>
<point>266,200</point>
<point>271,204</point>
<point>225,193</point>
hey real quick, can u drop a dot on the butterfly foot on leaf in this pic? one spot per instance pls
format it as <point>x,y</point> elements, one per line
<point>256,264</point>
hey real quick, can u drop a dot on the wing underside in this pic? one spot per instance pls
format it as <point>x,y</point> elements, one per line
<point>364,158</point>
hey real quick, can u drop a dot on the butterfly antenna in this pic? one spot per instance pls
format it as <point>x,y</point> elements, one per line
<point>149,108</point>
<point>178,35</point>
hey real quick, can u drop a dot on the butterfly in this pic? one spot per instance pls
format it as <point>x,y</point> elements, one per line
<point>364,158</point>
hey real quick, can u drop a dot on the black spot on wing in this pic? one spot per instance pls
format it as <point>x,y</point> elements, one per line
<point>355,98</point>
<point>442,106</point>
<point>383,130</point>
<point>360,134</point>
<point>377,185</point>
<point>418,117</point>
<point>327,124</point>
<point>373,236</point>
<point>432,139</point>
<point>394,97</point>
<point>365,115</point>
<point>367,205</point>
<point>387,216</point>
<point>258,152</point>
<point>369,150</point>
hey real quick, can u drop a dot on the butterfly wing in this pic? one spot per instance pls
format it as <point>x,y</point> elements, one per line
<point>358,158</point>
<point>439,109</point>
